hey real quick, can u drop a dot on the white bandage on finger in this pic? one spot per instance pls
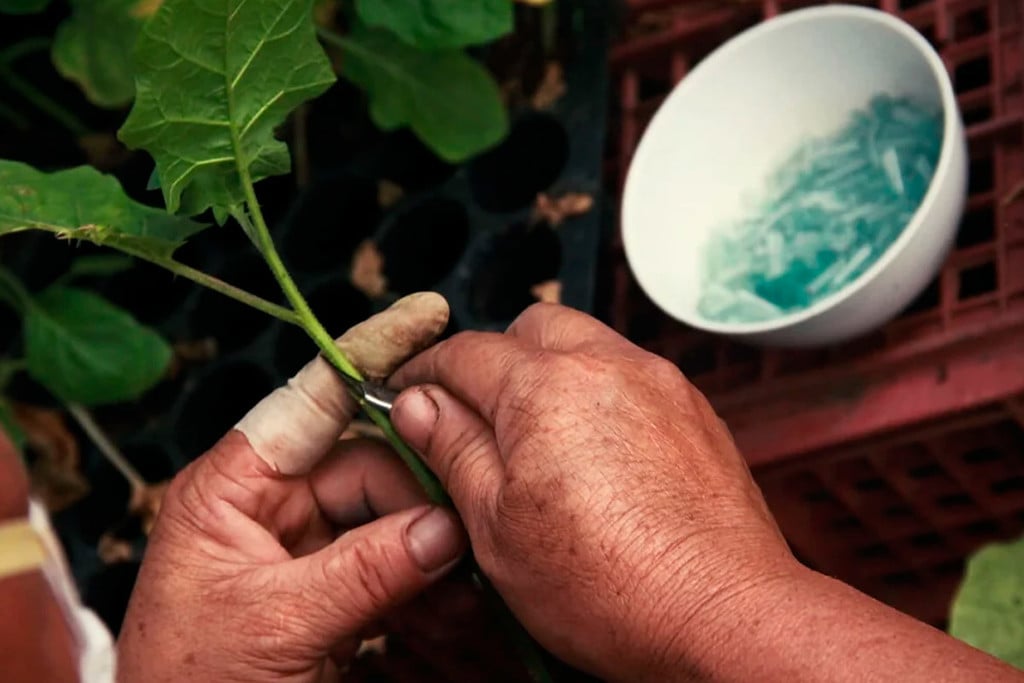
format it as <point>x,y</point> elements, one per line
<point>293,427</point>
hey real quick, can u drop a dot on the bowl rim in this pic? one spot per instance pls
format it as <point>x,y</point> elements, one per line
<point>951,126</point>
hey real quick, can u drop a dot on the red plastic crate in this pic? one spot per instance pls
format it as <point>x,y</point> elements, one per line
<point>835,436</point>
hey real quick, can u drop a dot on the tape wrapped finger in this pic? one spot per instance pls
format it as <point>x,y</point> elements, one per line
<point>293,427</point>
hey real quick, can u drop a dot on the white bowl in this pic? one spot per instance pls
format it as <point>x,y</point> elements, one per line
<point>739,112</point>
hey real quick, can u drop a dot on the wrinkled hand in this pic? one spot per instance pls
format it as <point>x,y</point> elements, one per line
<point>246,577</point>
<point>602,495</point>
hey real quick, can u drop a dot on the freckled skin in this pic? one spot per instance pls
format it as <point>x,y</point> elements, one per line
<point>610,507</point>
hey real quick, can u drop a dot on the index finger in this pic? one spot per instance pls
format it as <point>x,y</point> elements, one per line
<point>293,427</point>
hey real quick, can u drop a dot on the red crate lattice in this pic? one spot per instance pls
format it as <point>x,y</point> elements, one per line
<point>982,278</point>
<point>888,459</point>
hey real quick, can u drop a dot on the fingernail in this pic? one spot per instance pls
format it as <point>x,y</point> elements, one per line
<point>434,540</point>
<point>415,415</point>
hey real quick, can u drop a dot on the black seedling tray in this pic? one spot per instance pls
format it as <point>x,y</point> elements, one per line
<point>465,231</point>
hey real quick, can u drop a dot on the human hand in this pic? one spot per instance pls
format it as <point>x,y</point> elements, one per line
<point>246,577</point>
<point>603,497</point>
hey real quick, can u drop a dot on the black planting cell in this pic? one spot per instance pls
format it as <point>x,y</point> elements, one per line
<point>404,160</point>
<point>151,461</point>
<point>219,400</point>
<point>231,323</point>
<point>423,244</point>
<point>530,159</point>
<point>339,128</point>
<point>521,257</point>
<point>330,220</point>
<point>106,504</point>
<point>338,306</point>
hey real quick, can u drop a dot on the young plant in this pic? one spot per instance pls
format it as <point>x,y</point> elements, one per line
<point>213,80</point>
<point>407,55</point>
<point>83,350</point>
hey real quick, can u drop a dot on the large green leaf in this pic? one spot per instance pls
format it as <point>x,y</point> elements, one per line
<point>22,6</point>
<point>82,203</point>
<point>438,24</point>
<point>213,79</point>
<point>450,101</point>
<point>85,350</point>
<point>988,609</point>
<point>93,48</point>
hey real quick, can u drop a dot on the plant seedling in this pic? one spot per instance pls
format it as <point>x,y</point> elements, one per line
<point>212,82</point>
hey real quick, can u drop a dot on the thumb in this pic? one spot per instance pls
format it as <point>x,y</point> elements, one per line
<point>457,444</point>
<point>371,570</point>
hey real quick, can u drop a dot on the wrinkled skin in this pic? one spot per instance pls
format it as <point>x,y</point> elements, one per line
<point>278,550</point>
<point>603,496</point>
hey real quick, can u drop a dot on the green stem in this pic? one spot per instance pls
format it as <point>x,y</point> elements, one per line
<point>256,227</point>
<point>216,284</point>
<point>258,231</point>
<point>43,102</point>
<point>13,292</point>
<point>24,47</point>
<point>106,447</point>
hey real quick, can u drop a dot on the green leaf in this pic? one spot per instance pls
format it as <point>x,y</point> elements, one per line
<point>988,609</point>
<point>85,350</point>
<point>10,426</point>
<point>213,79</point>
<point>22,6</point>
<point>439,24</point>
<point>93,48</point>
<point>82,203</point>
<point>450,101</point>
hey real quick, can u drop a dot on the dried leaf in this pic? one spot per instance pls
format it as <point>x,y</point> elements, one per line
<point>367,273</point>
<point>373,646</point>
<point>192,352</point>
<point>113,550</point>
<point>551,88</point>
<point>388,193</point>
<point>555,211</point>
<point>55,477</point>
<point>145,503</point>
<point>549,291</point>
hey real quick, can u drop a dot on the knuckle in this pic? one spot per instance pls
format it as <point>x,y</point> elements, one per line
<point>663,371</point>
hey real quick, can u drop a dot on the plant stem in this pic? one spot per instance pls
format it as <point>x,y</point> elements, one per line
<point>107,447</point>
<point>309,322</point>
<point>229,290</point>
<point>43,102</point>
<point>24,47</point>
<point>258,231</point>
<point>13,292</point>
<point>255,225</point>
